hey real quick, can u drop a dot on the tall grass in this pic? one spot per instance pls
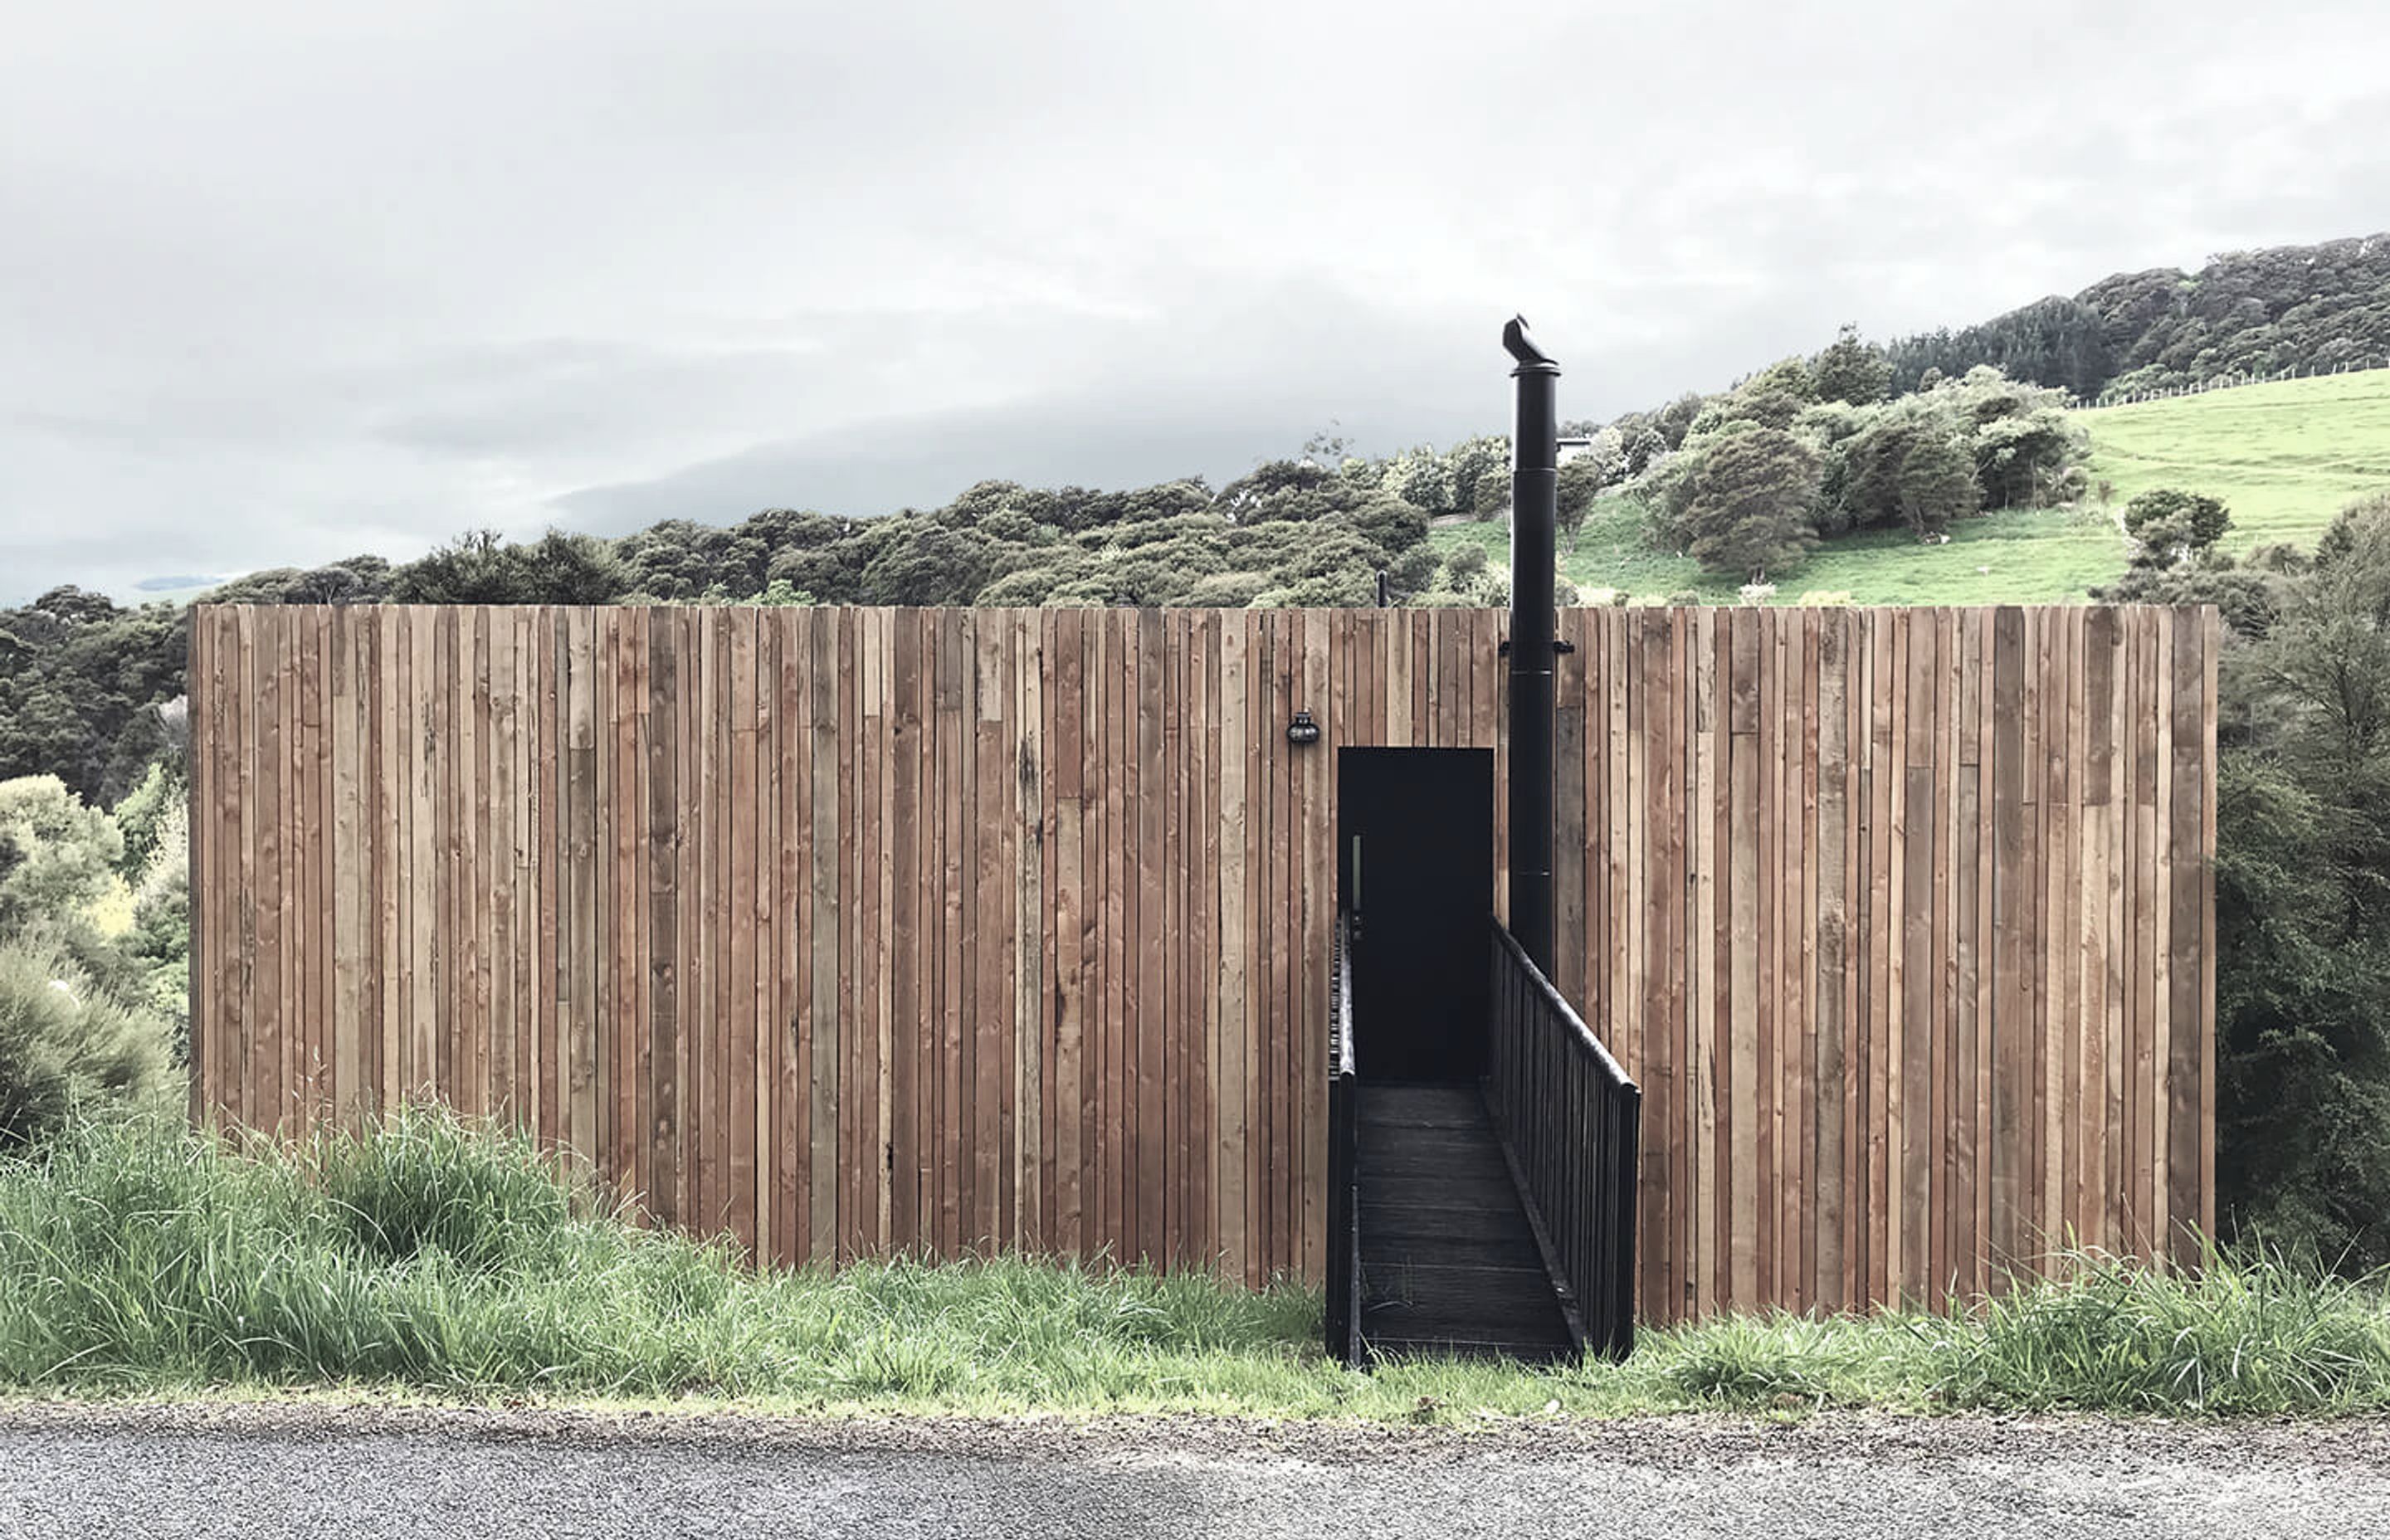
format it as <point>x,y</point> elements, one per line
<point>439,1259</point>
<point>430,1255</point>
<point>2249,1335</point>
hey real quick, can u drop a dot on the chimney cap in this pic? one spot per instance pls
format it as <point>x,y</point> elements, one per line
<point>1522,348</point>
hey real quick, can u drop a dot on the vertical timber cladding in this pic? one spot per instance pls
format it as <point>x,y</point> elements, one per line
<point>857,930</point>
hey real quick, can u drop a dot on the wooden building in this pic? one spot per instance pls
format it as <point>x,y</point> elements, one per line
<point>863,930</point>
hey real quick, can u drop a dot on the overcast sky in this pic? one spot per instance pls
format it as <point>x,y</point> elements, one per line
<point>281,282</point>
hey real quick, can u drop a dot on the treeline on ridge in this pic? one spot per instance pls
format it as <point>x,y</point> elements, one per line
<point>2304,309</point>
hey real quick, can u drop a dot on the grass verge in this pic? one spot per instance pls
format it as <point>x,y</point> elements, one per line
<point>431,1259</point>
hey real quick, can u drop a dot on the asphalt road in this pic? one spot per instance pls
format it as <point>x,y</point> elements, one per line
<point>194,1472</point>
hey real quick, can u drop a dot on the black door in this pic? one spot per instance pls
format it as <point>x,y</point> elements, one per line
<point>1415,843</point>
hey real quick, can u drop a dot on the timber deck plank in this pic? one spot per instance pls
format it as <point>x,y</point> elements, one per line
<point>1450,1265</point>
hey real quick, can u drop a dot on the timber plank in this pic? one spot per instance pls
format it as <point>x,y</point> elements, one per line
<point>1715,946</point>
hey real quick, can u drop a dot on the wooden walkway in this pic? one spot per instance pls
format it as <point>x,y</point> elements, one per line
<point>1449,1264</point>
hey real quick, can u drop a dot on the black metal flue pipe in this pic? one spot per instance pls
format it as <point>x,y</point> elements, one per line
<point>1534,514</point>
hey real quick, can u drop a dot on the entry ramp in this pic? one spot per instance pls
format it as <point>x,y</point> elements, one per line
<point>1484,1218</point>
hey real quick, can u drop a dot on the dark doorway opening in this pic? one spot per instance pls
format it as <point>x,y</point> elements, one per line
<point>1414,871</point>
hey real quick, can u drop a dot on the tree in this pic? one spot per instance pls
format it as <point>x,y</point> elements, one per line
<point>2190,517</point>
<point>1324,566</point>
<point>144,813</point>
<point>1391,524</point>
<point>1741,500</point>
<point>356,580</point>
<point>2175,559</point>
<point>1493,497</point>
<point>1228,590</point>
<point>1328,446</point>
<point>1851,370</point>
<point>478,567</point>
<point>1421,478</point>
<point>2027,454</point>
<point>1765,400</point>
<point>574,569</point>
<point>1413,571</point>
<point>1580,482</point>
<point>926,563</point>
<point>1936,483</point>
<point>81,682</point>
<point>2302,908</point>
<point>1475,463</point>
<point>1674,421</point>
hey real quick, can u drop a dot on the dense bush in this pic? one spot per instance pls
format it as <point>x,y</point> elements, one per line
<point>81,682</point>
<point>1769,466</point>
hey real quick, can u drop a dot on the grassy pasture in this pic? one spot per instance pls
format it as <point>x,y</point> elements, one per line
<point>2008,557</point>
<point>2286,458</point>
<point>432,1259</point>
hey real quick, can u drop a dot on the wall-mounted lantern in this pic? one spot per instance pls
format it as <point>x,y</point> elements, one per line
<point>1302,730</point>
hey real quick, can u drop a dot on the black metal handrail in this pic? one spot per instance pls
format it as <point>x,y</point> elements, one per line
<point>1342,1325</point>
<point>1572,1120</point>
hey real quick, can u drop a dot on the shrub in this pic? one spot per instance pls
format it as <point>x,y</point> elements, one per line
<point>2171,518</point>
<point>65,1045</point>
<point>1227,590</point>
<point>150,813</point>
<point>157,949</point>
<point>57,857</point>
<point>1413,571</point>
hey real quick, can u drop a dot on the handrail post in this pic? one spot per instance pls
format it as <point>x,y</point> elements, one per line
<point>1341,1318</point>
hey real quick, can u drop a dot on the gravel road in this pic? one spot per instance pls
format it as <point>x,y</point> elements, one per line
<point>373,1472</point>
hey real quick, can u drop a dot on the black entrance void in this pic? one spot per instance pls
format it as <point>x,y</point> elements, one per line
<point>1415,844</point>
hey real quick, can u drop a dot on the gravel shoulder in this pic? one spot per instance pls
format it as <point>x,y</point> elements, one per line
<point>307,1469</point>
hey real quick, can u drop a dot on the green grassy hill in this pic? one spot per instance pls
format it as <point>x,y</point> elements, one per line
<point>2286,458</point>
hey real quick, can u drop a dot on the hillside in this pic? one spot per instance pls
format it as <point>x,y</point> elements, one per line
<point>2285,457</point>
